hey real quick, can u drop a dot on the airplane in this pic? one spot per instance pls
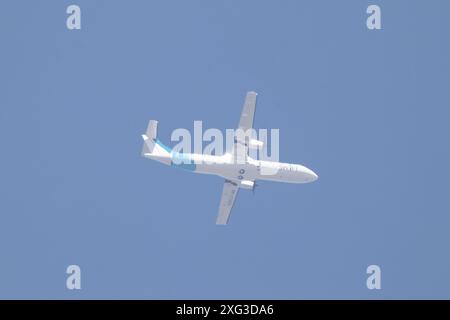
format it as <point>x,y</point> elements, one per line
<point>237,174</point>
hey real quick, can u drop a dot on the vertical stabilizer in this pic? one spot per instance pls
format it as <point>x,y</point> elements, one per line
<point>153,148</point>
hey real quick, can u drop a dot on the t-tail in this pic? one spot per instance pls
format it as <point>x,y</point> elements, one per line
<point>153,148</point>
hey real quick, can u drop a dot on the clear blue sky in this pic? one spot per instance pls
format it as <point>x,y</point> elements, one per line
<point>367,110</point>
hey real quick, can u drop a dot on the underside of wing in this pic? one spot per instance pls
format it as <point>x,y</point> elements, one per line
<point>240,149</point>
<point>230,190</point>
<point>248,111</point>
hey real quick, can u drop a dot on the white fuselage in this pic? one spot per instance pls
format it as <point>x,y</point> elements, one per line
<point>239,171</point>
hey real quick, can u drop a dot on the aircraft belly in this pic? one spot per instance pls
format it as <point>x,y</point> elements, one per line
<point>214,168</point>
<point>281,177</point>
<point>232,172</point>
<point>289,177</point>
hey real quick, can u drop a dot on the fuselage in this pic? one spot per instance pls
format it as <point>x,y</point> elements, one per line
<point>232,169</point>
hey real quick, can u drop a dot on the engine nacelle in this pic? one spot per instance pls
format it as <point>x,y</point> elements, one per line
<point>247,184</point>
<point>255,144</point>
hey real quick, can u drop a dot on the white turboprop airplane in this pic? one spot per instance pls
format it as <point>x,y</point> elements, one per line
<point>237,174</point>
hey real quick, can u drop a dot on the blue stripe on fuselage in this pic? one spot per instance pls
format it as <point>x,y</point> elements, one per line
<point>183,161</point>
<point>179,160</point>
<point>162,145</point>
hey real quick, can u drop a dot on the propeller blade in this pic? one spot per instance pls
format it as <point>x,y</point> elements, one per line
<point>254,187</point>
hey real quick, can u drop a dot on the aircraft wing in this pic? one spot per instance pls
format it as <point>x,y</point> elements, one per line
<point>230,190</point>
<point>240,149</point>
<point>248,111</point>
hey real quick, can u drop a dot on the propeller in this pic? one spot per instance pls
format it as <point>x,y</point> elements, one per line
<point>254,187</point>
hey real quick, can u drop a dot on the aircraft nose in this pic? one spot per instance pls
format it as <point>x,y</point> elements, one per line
<point>311,175</point>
